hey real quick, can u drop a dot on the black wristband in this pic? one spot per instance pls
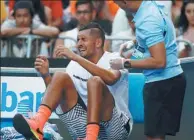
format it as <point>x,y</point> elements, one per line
<point>45,75</point>
<point>127,64</point>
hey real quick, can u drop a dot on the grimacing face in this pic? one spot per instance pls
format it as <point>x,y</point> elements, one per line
<point>86,44</point>
<point>84,14</point>
<point>23,18</point>
<point>189,12</point>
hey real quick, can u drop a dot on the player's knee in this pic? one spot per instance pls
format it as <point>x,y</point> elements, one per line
<point>62,76</point>
<point>95,81</point>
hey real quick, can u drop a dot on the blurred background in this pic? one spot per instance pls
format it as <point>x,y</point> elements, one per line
<point>57,22</point>
<point>37,26</point>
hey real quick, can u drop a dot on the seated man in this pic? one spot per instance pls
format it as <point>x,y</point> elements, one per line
<point>23,23</point>
<point>91,99</point>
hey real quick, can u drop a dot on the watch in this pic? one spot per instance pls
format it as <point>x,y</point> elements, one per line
<point>127,64</point>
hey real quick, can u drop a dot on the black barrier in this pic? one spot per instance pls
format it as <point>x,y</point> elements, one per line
<point>29,62</point>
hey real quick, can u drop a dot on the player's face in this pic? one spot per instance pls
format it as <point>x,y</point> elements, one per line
<point>86,44</point>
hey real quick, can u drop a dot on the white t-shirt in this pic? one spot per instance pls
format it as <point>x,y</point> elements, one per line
<point>119,31</point>
<point>119,90</point>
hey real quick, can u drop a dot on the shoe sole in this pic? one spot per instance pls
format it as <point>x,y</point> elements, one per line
<point>21,126</point>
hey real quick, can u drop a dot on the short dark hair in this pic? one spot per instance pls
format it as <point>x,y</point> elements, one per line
<point>80,2</point>
<point>24,5</point>
<point>96,29</point>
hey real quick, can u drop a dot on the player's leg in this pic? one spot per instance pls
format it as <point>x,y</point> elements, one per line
<point>101,108</point>
<point>61,87</point>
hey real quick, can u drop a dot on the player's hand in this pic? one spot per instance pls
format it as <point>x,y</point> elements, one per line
<point>41,64</point>
<point>125,48</point>
<point>61,52</point>
<point>117,63</point>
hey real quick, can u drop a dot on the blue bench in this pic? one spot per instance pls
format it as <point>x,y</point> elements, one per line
<point>136,107</point>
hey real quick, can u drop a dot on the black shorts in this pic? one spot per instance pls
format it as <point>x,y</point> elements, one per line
<point>163,101</point>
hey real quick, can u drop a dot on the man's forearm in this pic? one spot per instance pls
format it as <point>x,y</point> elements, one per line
<point>47,80</point>
<point>107,76</point>
<point>12,32</point>
<point>148,63</point>
<point>46,32</point>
